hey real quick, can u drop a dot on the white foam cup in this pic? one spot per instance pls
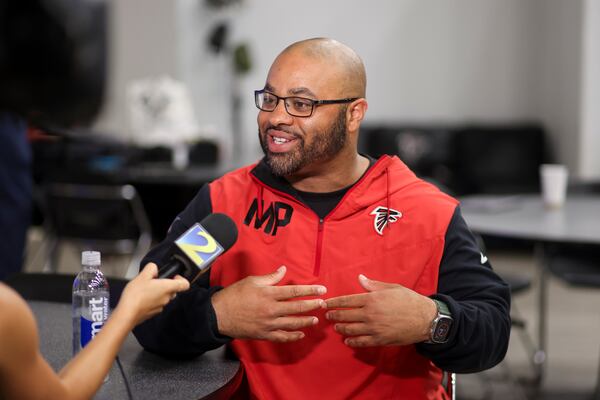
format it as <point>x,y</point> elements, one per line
<point>554,179</point>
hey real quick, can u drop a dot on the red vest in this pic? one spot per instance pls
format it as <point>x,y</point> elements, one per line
<point>333,253</point>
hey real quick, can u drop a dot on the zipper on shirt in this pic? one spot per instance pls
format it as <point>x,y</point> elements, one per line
<point>318,252</point>
<point>317,269</point>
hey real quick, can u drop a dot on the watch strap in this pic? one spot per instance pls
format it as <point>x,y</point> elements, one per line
<point>442,307</point>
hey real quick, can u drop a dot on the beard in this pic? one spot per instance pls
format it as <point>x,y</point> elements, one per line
<point>325,145</point>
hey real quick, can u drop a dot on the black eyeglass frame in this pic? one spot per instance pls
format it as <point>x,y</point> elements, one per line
<point>313,102</point>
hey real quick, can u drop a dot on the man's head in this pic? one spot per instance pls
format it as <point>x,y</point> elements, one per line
<point>314,69</point>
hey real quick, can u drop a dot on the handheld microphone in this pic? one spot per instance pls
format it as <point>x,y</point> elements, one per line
<point>199,246</point>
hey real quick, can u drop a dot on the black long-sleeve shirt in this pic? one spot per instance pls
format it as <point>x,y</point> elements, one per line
<point>478,299</point>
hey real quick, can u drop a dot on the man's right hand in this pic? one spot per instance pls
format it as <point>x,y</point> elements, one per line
<point>254,308</point>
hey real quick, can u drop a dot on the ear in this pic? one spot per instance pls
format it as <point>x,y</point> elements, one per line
<point>355,113</point>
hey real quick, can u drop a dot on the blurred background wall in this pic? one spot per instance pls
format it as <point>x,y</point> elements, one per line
<point>459,61</point>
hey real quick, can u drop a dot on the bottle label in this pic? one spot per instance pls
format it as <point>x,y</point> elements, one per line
<point>96,316</point>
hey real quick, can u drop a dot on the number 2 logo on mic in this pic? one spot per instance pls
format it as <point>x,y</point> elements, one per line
<point>199,246</point>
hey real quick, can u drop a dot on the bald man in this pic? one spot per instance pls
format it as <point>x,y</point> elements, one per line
<point>351,277</point>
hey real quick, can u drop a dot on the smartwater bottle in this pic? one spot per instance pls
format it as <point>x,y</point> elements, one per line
<point>90,300</point>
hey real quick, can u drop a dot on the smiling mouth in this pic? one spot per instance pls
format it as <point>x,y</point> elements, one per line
<point>279,140</point>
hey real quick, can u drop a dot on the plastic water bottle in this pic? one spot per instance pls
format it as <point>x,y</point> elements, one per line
<point>91,304</point>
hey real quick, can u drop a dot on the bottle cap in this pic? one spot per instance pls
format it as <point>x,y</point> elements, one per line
<point>91,258</point>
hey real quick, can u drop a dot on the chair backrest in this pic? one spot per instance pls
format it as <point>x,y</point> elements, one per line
<point>109,218</point>
<point>498,159</point>
<point>450,384</point>
<point>424,149</point>
<point>466,159</point>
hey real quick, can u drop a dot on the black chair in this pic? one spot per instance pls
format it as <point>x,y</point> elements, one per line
<point>498,159</point>
<point>107,218</point>
<point>424,149</point>
<point>519,284</point>
<point>578,265</point>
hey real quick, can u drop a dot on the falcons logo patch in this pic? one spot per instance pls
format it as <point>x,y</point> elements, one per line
<point>383,215</point>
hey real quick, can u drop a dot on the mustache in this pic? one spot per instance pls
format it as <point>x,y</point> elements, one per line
<point>282,129</point>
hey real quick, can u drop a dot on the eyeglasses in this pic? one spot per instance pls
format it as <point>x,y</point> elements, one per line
<point>295,106</point>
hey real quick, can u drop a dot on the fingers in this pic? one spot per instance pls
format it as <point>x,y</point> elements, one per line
<point>174,286</point>
<point>170,287</point>
<point>353,315</point>
<point>372,285</point>
<point>353,329</point>
<point>351,301</point>
<point>181,282</point>
<point>299,306</point>
<point>294,323</point>
<point>150,271</point>
<point>358,335</point>
<point>272,278</point>
<point>362,341</point>
<point>284,336</point>
<point>293,291</point>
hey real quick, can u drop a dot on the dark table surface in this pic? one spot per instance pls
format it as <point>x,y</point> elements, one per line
<point>149,376</point>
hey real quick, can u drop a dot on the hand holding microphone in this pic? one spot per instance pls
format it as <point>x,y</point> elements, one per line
<point>145,296</point>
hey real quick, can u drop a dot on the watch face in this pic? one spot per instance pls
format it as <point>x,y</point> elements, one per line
<point>441,329</point>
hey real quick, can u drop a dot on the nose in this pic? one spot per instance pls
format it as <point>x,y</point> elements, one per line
<point>280,115</point>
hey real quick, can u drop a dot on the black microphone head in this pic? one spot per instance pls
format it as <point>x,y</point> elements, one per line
<point>222,228</point>
<point>200,245</point>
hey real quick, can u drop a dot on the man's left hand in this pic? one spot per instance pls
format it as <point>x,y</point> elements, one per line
<point>387,314</point>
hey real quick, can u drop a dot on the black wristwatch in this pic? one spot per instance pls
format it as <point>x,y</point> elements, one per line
<point>440,327</point>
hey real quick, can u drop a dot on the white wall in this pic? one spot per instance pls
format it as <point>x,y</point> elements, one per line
<point>448,61</point>
<point>589,161</point>
<point>142,44</point>
<point>558,77</point>
<point>427,61</point>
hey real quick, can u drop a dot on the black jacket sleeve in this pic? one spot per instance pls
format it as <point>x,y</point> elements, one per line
<point>187,327</point>
<point>479,301</point>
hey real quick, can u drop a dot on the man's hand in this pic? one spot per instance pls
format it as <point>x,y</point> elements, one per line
<point>254,308</point>
<point>388,314</point>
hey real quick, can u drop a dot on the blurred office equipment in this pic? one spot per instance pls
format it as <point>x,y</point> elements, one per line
<point>467,159</point>
<point>53,59</point>
<point>164,190</point>
<point>108,218</point>
<point>161,113</point>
